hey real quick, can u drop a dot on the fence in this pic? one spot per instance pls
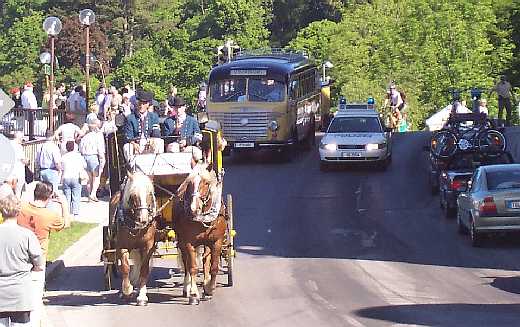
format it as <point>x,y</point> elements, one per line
<point>33,122</point>
<point>31,149</point>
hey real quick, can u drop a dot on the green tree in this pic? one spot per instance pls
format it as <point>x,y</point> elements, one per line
<point>21,45</point>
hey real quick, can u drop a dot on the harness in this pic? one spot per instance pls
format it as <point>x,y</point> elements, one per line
<point>134,227</point>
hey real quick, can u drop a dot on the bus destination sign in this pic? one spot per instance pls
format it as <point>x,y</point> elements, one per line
<point>248,72</point>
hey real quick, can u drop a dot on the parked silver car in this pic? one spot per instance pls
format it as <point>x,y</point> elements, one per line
<point>491,203</point>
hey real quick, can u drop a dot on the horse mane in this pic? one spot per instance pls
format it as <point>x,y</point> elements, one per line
<point>136,183</point>
<point>204,174</point>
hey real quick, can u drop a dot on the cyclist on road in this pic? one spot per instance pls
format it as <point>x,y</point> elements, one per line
<point>394,98</point>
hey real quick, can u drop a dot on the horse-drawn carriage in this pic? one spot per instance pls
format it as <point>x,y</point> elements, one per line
<point>162,202</point>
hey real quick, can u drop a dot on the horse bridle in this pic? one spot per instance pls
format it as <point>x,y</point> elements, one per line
<point>204,200</point>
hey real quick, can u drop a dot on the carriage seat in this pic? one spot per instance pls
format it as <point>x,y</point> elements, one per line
<point>167,163</point>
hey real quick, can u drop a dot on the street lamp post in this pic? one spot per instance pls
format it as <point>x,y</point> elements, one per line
<point>52,26</point>
<point>86,18</point>
<point>45,59</point>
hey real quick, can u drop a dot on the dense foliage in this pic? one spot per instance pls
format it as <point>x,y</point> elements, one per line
<point>426,46</point>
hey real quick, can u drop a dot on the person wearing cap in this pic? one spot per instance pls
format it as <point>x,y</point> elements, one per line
<point>15,96</point>
<point>182,125</point>
<point>140,124</point>
<point>92,147</point>
<point>28,98</point>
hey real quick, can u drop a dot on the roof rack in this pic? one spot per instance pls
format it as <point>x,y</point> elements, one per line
<point>288,54</point>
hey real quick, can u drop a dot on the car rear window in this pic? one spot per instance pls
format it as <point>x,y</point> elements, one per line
<point>355,125</point>
<point>500,180</point>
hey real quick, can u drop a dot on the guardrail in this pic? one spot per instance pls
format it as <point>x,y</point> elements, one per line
<point>33,122</point>
<point>31,149</point>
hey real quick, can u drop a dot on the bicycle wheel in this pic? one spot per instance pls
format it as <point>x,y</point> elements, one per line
<point>491,142</point>
<point>443,144</point>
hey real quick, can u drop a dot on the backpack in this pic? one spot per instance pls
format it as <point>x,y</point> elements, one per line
<point>403,96</point>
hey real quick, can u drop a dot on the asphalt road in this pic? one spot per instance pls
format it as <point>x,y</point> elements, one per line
<point>352,247</point>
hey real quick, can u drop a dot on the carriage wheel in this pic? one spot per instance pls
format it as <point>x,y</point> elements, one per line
<point>108,270</point>
<point>109,276</point>
<point>230,234</point>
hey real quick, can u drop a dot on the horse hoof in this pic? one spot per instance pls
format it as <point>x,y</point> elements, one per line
<point>207,297</point>
<point>193,301</point>
<point>142,303</point>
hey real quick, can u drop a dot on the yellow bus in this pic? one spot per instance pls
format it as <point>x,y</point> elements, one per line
<point>266,101</point>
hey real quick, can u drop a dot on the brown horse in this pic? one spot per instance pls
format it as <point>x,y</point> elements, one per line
<point>136,229</point>
<point>200,197</point>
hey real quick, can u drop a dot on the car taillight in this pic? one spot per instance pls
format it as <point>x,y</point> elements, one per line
<point>488,207</point>
<point>457,185</point>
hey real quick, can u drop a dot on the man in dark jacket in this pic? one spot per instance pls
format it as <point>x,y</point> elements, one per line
<point>182,125</point>
<point>140,124</point>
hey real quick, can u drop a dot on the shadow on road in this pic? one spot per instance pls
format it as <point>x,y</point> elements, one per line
<point>355,212</point>
<point>449,314</point>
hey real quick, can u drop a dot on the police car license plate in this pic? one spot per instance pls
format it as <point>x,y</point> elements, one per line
<point>245,145</point>
<point>352,154</point>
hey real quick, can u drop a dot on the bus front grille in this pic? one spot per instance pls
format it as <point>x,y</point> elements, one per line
<point>247,126</point>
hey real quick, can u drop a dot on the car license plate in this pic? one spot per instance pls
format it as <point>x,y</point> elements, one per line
<point>352,154</point>
<point>245,145</point>
<point>513,204</point>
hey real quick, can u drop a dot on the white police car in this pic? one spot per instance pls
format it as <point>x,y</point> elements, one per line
<point>356,134</point>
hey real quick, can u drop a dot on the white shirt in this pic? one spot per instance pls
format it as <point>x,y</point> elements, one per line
<point>68,132</point>
<point>48,156</point>
<point>29,99</point>
<point>483,110</point>
<point>503,89</point>
<point>19,166</point>
<point>395,98</point>
<point>73,163</point>
<point>92,143</point>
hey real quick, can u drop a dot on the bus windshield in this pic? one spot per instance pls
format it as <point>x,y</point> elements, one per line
<point>355,125</point>
<point>228,90</point>
<point>265,90</point>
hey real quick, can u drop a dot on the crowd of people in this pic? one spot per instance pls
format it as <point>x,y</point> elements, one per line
<point>71,156</point>
<point>396,100</point>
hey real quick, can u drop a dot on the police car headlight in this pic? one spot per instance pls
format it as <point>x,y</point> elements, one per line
<point>273,125</point>
<point>372,146</point>
<point>329,147</point>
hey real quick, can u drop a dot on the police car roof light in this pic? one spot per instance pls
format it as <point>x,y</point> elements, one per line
<point>371,101</point>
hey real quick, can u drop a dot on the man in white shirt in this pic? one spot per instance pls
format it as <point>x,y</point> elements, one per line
<point>503,90</point>
<point>28,97</point>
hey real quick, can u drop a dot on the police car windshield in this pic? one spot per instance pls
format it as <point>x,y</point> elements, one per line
<point>355,125</point>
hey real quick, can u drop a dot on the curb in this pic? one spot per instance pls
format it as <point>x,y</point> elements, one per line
<point>72,252</point>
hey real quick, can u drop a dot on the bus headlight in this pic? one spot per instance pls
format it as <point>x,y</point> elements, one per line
<point>329,147</point>
<point>273,125</point>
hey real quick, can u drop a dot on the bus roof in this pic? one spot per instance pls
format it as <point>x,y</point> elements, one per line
<point>276,66</point>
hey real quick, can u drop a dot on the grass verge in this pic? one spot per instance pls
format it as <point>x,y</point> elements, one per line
<point>62,240</point>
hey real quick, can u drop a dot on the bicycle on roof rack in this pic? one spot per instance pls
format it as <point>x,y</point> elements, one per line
<point>467,133</point>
